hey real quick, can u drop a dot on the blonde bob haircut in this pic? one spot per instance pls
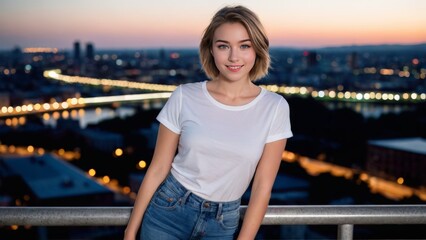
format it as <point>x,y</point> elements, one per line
<point>255,30</point>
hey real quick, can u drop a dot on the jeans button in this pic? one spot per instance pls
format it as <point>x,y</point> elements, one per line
<point>206,205</point>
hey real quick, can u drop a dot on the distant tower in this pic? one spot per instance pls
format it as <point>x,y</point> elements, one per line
<point>17,55</point>
<point>162,54</point>
<point>353,61</point>
<point>90,51</point>
<point>77,51</point>
<point>310,59</point>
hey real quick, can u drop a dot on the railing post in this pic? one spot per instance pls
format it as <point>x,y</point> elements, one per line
<point>345,232</point>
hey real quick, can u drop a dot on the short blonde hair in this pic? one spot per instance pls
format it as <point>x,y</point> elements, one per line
<point>255,30</point>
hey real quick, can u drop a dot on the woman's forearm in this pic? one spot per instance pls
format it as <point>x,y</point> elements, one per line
<point>152,180</point>
<point>254,215</point>
<point>264,178</point>
<point>159,168</point>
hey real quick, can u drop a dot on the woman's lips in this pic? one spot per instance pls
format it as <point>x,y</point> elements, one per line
<point>234,68</point>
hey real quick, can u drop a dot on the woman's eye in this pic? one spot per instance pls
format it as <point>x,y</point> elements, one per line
<point>245,46</point>
<point>222,46</point>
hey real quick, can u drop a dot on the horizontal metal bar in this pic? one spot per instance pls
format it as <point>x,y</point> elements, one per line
<point>275,215</point>
<point>345,214</point>
<point>64,216</point>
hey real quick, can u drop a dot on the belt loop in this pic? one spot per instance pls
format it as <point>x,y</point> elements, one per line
<point>185,197</point>
<point>219,211</point>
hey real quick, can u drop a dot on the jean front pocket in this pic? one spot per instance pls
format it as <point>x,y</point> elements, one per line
<point>231,219</point>
<point>165,198</point>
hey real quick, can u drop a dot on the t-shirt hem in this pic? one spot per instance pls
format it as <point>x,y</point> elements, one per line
<point>279,137</point>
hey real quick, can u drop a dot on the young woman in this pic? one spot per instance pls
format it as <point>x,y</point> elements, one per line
<point>226,131</point>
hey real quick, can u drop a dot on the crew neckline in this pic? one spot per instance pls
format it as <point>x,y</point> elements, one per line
<point>232,107</point>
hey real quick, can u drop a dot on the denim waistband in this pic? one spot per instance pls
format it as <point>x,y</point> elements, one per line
<point>197,201</point>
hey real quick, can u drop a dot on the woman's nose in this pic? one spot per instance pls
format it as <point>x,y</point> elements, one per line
<point>233,55</point>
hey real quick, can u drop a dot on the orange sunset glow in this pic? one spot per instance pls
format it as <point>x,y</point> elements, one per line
<point>147,24</point>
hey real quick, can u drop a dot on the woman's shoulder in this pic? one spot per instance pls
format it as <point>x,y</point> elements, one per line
<point>273,96</point>
<point>191,86</point>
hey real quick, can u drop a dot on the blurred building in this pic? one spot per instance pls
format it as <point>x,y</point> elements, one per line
<point>77,51</point>
<point>90,51</point>
<point>353,61</point>
<point>102,140</point>
<point>17,56</point>
<point>4,99</point>
<point>398,158</point>
<point>150,134</point>
<point>48,181</point>
<point>311,59</point>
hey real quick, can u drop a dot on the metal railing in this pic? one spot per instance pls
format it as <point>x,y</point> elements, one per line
<point>344,216</point>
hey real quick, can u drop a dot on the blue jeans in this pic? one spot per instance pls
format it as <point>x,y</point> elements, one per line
<point>176,213</point>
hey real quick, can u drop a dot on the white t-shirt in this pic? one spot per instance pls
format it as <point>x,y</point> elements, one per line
<point>221,145</point>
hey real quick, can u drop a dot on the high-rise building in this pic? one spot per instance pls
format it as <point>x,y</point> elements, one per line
<point>17,56</point>
<point>77,51</point>
<point>353,61</point>
<point>310,59</point>
<point>90,51</point>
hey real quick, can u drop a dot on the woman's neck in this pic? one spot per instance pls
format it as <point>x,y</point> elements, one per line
<point>233,93</point>
<point>234,89</point>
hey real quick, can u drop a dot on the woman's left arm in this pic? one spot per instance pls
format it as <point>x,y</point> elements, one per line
<point>263,181</point>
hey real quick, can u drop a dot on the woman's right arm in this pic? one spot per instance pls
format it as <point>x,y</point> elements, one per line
<point>158,170</point>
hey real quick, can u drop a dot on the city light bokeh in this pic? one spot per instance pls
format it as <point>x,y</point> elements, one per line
<point>78,109</point>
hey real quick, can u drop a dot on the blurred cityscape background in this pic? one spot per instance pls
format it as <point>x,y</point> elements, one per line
<point>77,117</point>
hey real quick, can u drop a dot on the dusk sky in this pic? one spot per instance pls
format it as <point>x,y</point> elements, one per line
<point>136,24</point>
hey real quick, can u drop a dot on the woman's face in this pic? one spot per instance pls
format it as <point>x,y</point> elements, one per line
<point>233,52</point>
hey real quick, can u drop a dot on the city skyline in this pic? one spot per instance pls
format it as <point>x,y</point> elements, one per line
<point>141,24</point>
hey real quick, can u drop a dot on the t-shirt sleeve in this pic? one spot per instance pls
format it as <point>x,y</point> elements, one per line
<point>170,114</point>
<point>280,127</point>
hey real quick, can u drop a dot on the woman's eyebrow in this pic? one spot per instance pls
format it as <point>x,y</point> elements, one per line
<point>224,41</point>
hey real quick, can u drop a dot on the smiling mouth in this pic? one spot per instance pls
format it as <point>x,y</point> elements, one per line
<point>234,68</point>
